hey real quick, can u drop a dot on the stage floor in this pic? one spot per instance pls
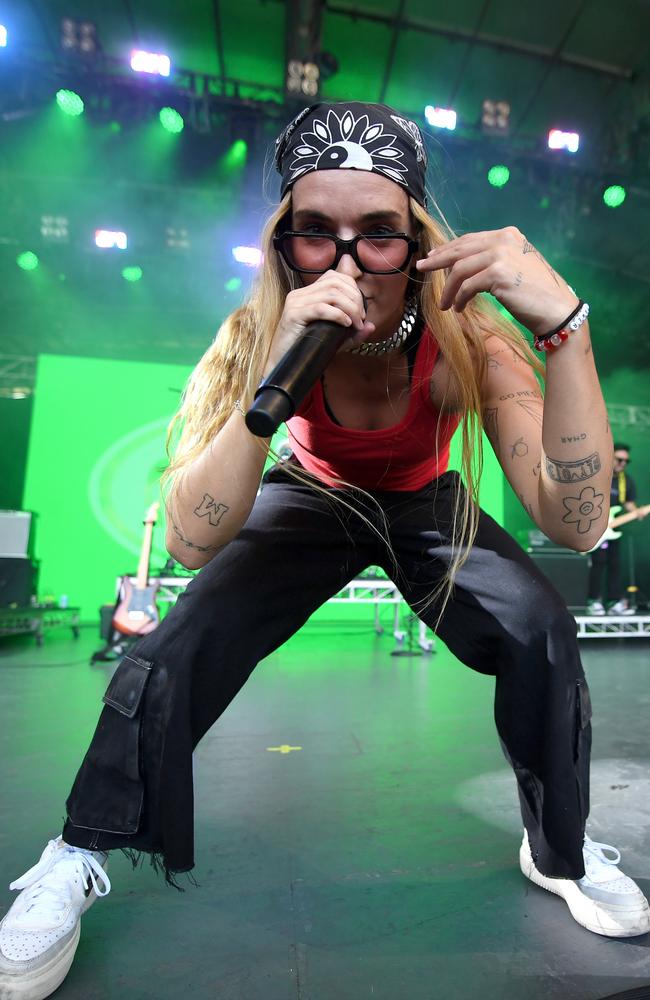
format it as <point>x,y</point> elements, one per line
<point>375,859</point>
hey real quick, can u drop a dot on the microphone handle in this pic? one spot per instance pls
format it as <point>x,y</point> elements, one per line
<point>282,392</point>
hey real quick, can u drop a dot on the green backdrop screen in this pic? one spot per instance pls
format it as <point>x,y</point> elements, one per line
<point>97,449</point>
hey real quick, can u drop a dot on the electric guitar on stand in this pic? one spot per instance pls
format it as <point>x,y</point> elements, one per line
<point>136,612</point>
<point>616,520</point>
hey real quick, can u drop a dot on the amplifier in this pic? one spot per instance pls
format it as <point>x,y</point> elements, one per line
<point>568,571</point>
<point>14,532</point>
<point>16,582</point>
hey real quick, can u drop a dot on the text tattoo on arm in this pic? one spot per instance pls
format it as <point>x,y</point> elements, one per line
<point>573,472</point>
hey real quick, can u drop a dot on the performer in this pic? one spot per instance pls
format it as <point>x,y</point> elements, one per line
<point>353,242</point>
<point>606,559</point>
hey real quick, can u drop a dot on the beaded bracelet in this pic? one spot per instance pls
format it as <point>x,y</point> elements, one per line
<point>551,340</point>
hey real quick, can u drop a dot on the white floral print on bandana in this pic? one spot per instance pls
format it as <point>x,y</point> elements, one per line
<point>348,142</point>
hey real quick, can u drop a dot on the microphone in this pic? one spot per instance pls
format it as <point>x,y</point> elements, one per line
<point>282,392</point>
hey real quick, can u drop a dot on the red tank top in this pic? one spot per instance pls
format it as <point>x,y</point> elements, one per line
<point>406,456</point>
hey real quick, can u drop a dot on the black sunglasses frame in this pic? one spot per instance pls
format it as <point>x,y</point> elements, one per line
<point>346,247</point>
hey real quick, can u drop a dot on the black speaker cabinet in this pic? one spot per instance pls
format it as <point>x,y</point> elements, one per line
<point>16,582</point>
<point>568,571</point>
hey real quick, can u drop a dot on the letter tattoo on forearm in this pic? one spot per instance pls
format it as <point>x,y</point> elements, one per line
<point>212,509</point>
<point>584,509</point>
<point>573,472</point>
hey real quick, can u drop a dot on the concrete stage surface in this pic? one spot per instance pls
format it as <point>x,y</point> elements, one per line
<point>357,831</point>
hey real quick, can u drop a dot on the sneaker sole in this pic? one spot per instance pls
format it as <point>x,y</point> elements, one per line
<point>600,918</point>
<point>45,980</point>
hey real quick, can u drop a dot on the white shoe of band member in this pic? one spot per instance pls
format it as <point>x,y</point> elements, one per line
<point>40,933</point>
<point>620,608</point>
<point>605,900</point>
<point>595,608</point>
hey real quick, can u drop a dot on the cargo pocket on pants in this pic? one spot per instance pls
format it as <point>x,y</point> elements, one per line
<point>108,793</point>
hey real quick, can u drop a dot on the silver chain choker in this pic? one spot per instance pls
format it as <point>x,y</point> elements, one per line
<point>397,339</point>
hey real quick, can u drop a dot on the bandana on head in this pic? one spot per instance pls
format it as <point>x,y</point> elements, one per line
<point>353,136</point>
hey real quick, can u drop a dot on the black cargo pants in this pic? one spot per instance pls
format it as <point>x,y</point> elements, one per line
<point>298,548</point>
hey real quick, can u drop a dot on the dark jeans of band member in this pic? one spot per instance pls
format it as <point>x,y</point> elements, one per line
<point>606,561</point>
<point>297,549</point>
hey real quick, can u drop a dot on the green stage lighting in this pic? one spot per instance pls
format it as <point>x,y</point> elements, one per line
<point>234,159</point>
<point>171,121</point>
<point>498,176</point>
<point>233,284</point>
<point>28,261</point>
<point>70,103</point>
<point>614,195</point>
<point>132,273</point>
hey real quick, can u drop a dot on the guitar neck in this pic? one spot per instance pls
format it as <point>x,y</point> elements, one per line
<point>143,566</point>
<point>630,516</point>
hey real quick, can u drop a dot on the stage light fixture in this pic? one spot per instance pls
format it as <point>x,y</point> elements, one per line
<point>177,238</point>
<point>440,117</point>
<point>55,228</point>
<point>27,261</point>
<point>150,62</point>
<point>70,103</point>
<point>557,139</point>
<point>498,175</point>
<point>132,273</point>
<point>251,256</point>
<point>614,195</point>
<point>495,117</point>
<point>79,36</point>
<point>3,36</point>
<point>302,78</point>
<point>109,239</point>
<point>171,120</point>
<point>233,284</point>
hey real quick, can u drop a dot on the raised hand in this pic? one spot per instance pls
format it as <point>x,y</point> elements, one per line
<point>504,263</point>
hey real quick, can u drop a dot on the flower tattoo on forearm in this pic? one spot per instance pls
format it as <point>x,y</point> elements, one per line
<point>583,510</point>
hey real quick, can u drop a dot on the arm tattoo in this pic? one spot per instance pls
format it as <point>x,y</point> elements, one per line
<point>519,449</point>
<point>192,545</point>
<point>573,472</point>
<point>211,509</point>
<point>492,426</point>
<point>492,361</point>
<point>584,509</point>
<point>532,410</point>
<point>529,248</point>
<point>528,507</point>
<point>573,438</point>
<point>518,279</point>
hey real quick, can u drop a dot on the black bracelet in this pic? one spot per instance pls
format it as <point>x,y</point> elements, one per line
<point>547,336</point>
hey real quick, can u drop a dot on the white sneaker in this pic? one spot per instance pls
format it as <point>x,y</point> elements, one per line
<point>595,608</point>
<point>620,608</point>
<point>40,933</point>
<point>605,900</point>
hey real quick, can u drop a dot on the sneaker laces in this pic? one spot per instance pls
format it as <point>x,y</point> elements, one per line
<point>50,877</point>
<point>597,850</point>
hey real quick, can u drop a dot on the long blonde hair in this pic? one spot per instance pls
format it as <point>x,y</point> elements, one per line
<point>231,369</point>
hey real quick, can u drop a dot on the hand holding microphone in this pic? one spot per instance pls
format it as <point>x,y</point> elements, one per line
<point>316,321</point>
